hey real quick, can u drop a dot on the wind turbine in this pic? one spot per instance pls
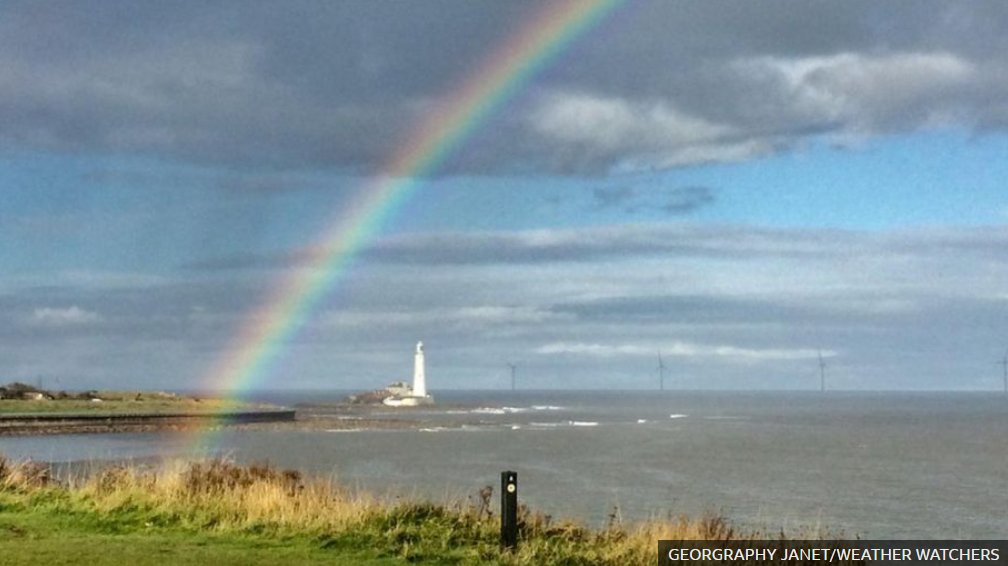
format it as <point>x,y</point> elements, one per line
<point>661,373</point>
<point>822,373</point>
<point>513,368</point>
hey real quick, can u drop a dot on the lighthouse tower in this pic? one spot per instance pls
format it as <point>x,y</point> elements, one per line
<point>419,378</point>
<point>401,395</point>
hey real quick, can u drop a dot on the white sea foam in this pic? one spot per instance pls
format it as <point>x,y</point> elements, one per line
<point>498,410</point>
<point>583,423</point>
<point>641,421</point>
<point>511,410</point>
<point>677,416</point>
<point>488,411</point>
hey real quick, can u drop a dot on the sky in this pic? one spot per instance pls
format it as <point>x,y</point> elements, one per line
<point>742,187</point>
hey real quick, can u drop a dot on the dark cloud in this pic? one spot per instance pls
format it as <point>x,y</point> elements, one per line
<point>249,180</point>
<point>264,183</point>
<point>643,241</point>
<point>686,309</point>
<point>679,200</point>
<point>340,86</point>
<point>687,199</point>
<point>608,197</point>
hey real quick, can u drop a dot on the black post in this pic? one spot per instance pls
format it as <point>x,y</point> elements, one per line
<point>509,510</point>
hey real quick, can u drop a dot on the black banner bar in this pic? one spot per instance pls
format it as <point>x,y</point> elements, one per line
<point>832,552</point>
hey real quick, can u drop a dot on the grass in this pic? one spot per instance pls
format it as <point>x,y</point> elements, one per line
<point>217,512</point>
<point>119,403</point>
<point>41,537</point>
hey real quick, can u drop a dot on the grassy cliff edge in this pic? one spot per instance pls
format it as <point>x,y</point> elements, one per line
<point>219,512</point>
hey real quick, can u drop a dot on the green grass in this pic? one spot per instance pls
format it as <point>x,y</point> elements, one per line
<point>45,537</point>
<point>118,405</point>
<point>53,525</point>
<point>218,513</point>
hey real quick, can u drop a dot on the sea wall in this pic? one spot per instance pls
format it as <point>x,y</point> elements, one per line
<point>59,423</point>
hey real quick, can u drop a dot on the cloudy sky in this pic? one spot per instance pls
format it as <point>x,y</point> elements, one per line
<point>737,185</point>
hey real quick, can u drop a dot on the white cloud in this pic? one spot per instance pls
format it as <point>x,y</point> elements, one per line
<point>57,317</point>
<point>594,350</point>
<point>462,316</point>
<point>681,349</point>
<point>503,315</point>
<point>867,93</point>
<point>636,134</point>
<point>612,123</point>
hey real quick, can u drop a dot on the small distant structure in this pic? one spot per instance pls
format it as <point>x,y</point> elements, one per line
<point>513,369</point>
<point>661,372</point>
<point>402,395</point>
<point>17,390</point>
<point>399,389</point>
<point>22,391</point>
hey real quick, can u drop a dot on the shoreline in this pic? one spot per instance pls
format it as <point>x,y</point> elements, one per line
<point>348,417</point>
<point>37,424</point>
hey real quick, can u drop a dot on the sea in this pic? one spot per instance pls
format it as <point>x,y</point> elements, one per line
<point>876,465</point>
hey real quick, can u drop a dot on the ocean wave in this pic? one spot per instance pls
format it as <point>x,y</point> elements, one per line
<point>562,424</point>
<point>677,416</point>
<point>498,410</point>
<point>513,410</point>
<point>547,425</point>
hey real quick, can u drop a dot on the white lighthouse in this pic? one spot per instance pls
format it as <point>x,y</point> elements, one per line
<point>419,379</point>
<point>405,396</point>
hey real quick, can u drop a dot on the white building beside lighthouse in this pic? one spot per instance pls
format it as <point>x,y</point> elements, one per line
<point>416,395</point>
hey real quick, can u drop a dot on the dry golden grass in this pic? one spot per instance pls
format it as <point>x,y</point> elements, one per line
<point>223,497</point>
<point>23,476</point>
<point>234,496</point>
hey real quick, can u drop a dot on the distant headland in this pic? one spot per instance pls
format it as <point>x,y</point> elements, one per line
<point>25,409</point>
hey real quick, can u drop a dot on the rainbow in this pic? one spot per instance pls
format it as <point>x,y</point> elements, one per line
<point>255,348</point>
